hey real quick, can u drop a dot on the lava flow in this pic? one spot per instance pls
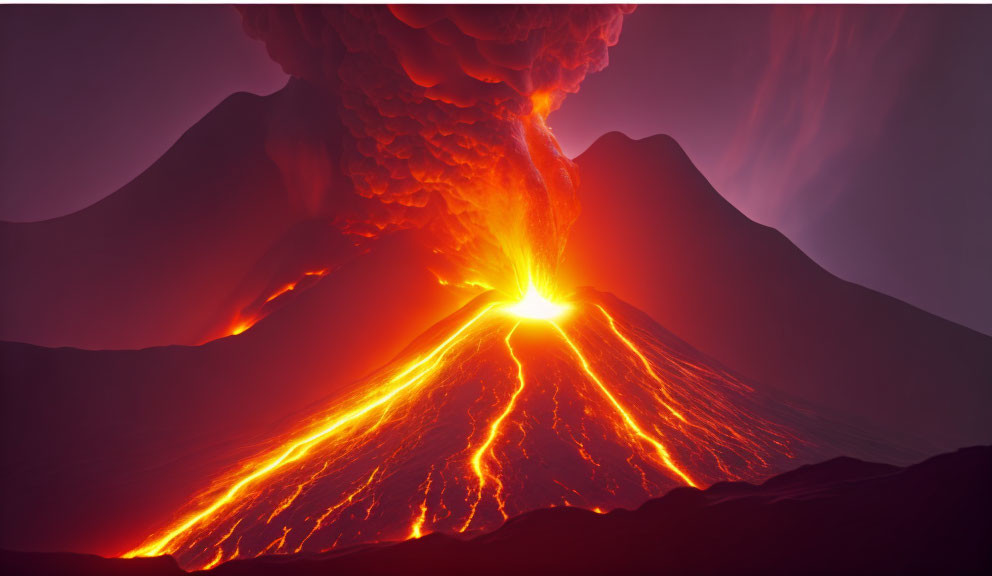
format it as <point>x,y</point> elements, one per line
<point>504,407</point>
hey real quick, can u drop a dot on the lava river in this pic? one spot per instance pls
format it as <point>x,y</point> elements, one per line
<point>494,411</point>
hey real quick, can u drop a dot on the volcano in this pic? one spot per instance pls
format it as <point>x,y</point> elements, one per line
<point>502,408</point>
<point>287,245</point>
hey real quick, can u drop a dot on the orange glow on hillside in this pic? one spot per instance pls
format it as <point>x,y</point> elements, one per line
<point>249,317</point>
<point>240,327</point>
<point>287,288</point>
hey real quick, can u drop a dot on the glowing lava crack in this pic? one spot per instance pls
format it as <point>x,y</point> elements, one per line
<point>502,408</point>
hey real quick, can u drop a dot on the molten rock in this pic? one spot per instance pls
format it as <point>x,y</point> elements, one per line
<point>488,415</point>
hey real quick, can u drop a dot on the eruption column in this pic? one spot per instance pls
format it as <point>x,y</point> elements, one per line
<point>442,123</point>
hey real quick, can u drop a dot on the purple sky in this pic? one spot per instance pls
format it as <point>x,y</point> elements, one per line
<point>863,134</point>
<point>92,95</point>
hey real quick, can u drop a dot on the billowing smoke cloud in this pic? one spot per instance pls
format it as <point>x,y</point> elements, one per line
<point>444,108</point>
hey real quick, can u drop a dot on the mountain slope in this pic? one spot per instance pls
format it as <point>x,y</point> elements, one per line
<point>237,208</point>
<point>655,232</point>
<point>148,260</point>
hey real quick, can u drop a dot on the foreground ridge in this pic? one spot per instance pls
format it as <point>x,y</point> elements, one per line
<point>797,522</point>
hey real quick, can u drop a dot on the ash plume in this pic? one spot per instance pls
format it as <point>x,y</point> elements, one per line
<point>444,109</point>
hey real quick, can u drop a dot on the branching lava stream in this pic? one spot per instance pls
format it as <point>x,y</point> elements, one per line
<point>503,408</point>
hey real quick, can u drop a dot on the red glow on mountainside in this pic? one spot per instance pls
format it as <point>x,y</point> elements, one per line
<point>251,315</point>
